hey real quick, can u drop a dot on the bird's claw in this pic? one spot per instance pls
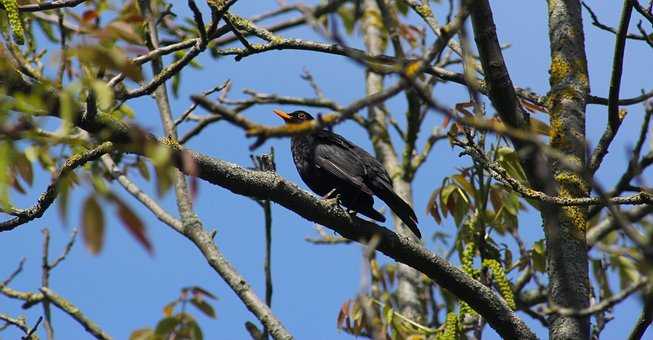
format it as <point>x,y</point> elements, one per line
<point>332,199</point>
<point>333,202</point>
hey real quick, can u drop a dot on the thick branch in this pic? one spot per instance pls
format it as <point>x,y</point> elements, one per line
<point>567,261</point>
<point>267,185</point>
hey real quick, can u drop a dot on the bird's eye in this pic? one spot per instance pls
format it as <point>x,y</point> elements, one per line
<point>302,116</point>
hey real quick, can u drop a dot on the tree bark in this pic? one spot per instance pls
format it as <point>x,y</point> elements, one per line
<point>375,41</point>
<point>564,227</point>
<point>567,262</point>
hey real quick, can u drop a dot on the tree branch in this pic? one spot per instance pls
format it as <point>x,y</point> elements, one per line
<point>263,132</point>
<point>644,320</point>
<point>614,118</point>
<point>601,306</point>
<point>192,227</point>
<point>50,194</point>
<point>75,313</point>
<point>44,6</point>
<point>501,174</point>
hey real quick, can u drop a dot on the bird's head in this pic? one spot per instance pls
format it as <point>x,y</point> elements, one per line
<point>294,117</point>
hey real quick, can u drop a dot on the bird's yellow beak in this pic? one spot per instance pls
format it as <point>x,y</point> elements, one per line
<point>286,117</point>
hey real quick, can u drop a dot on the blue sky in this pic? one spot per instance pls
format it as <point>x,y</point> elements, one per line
<point>124,288</point>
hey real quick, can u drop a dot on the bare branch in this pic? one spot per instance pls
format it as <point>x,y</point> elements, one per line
<point>596,22</point>
<point>263,132</point>
<point>644,320</point>
<point>15,273</point>
<point>614,118</point>
<point>75,313</point>
<point>601,306</point>
<point>18,322</point>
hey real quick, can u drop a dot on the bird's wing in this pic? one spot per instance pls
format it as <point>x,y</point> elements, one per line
<point>336,155</point>
<point>353,164</point>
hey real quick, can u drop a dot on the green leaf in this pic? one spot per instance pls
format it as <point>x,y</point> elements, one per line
<point>24,167</point>
<point>628,273</point>
<point>348,18</point>
<point>509,160</point>
<point>99,184</point>
<point>389,313</point>
<point>402,7</point>
<point>164,179</point>
<point>445,192</point>
<point>203,306</point>
<point>142,168</point>
<point>46,27</point>
<point>538,256</point>
<point>6,159</point>
<point>122,30</point>
<point>176,82</point>
<point>601,278</point>
<point>189,328</point>
<point>92,225</point>
<point>511,203</point>
<point>110,58</point>
<point>142,334</point>
<point>166,326</point>
<point>464,184</point>
<point>507,258</point>
<point>103,94</point>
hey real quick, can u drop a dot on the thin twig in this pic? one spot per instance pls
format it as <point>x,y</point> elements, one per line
<point>644,319</point>
<point>75,313</point>
<point>193,106</point>
<point>596,22</point>
<point>501,174</point>
<point>614,118</point>
<point>15,273</point>
<point>601,306</point>
<point>45,282</point>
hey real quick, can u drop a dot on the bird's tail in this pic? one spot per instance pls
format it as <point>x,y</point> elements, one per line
<point>401,209</point>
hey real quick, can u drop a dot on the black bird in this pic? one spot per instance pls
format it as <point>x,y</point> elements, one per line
<point>328,162</point>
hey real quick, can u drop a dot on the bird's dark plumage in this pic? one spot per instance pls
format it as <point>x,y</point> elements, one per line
<point>327,161</point>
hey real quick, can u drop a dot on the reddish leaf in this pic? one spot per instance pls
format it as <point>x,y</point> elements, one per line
<point>445,122</point>
<point>133,224</point>
<point>432,207</point>
<point>194,187</point>
<point>203,306</point>
<point>343,315</point>
<point>89,16</point>
<point>199,291</point>
<point>92,225</point>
